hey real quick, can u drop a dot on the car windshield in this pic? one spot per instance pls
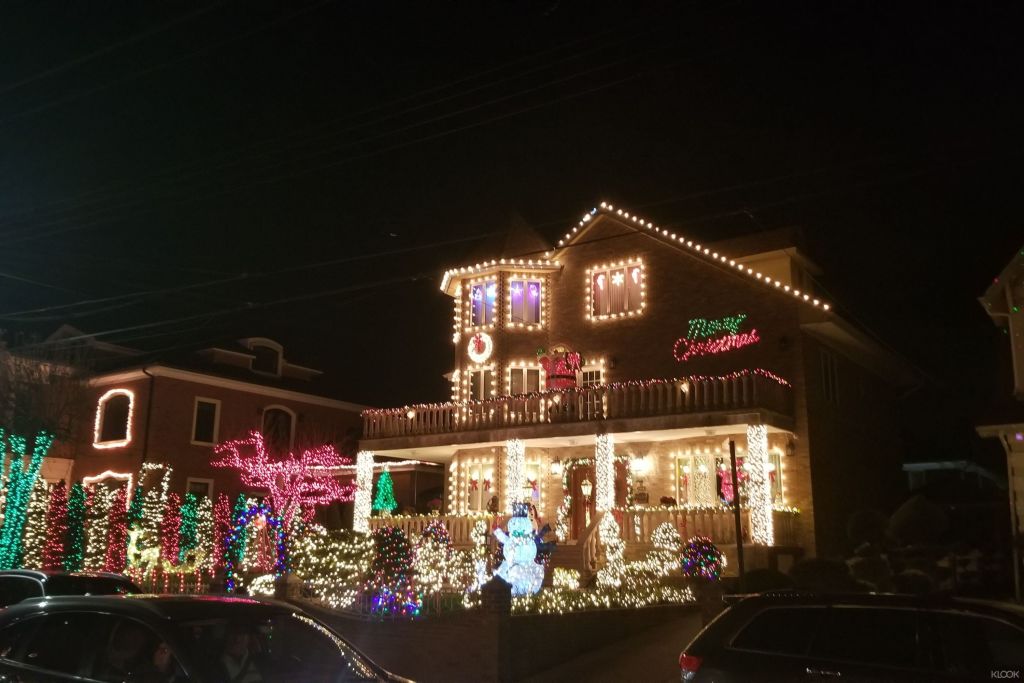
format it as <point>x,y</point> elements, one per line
<point>89,585</point>
<point>283,648</point>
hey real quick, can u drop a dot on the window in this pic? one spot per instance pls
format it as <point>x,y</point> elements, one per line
<point>481,384</point>
<point>524,380</point>
<point>829,377</point>
<point>62,642</point>
<point>775,474</point>
<point>784,631</point>
<point>278,428</point>
<point>590,378</point>
<point>202,488</point>
<point>972,646</point>
<point>205,421</point>
<point>135,652</point>
<point>14,637</point>
<point>886,637</point>
<point>267,359</point>
<point>14,589</point>
<point>524,298</point>
<point>617,291</point>
<point>113,427</point>
<point>483,298</point>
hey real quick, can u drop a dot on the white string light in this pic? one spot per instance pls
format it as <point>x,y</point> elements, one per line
<point>364,486</point>
<point>515,472</point>
<point>759,492</point>
<point>604,472</point>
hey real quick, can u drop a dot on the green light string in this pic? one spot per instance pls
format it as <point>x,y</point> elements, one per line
<point>385,498</point>
<point>74,551</point>
<point>702,328</point>
<point>188,532</point>
<point>20,481</point>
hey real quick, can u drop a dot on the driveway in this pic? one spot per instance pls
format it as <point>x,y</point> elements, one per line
<point>651,656</point>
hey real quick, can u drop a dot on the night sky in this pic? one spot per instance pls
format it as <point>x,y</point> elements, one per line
<point>149,148</point>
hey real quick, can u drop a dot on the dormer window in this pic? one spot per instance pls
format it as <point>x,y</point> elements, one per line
<point>113,428</point>
<point>616,290</point>
<point>483,299</point>
<point>266,359</point>
<point>525,302</point>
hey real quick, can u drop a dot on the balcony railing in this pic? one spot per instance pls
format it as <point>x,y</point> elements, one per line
<point>717,523</point>
<point>460,527</point>
<point>743,390</point>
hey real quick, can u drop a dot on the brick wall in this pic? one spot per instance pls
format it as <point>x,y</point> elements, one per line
<point>162,430</point>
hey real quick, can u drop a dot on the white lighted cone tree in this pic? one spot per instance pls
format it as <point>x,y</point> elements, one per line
<point>759,492</point>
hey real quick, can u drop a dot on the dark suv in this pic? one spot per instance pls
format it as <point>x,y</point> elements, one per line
<point>871,637</point>
<point>21,584</point>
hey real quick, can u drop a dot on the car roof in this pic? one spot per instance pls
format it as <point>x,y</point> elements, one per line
<point>44,574</point>
<point>897,600</point>
<point>173,607</point>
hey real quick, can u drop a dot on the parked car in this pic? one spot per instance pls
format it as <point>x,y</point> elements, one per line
<point>150,638</point>
<point>791,636</point>
<point>21,584</point>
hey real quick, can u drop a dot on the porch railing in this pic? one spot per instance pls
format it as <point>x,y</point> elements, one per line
<point>717,523</point>
<point>459,526</point>
<point>584,404</point>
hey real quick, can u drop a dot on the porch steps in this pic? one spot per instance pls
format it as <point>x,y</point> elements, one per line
<point>569,556</point>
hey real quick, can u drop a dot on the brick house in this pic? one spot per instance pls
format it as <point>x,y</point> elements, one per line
<point>610,374</point>
<point>174,411</point>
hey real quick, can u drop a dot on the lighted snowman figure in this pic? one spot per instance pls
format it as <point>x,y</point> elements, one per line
<point>519,567</point>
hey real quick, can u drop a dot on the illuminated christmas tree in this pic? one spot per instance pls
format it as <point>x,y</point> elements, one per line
<point>35,526</point>
<point>170,528</point>
<point>385,501</point>
<point>221,530</point>
<point>390,583</point>
<point>204,532</point>
<point>74,551</point>
<point>19,479</point>
<point>56,527</point>
<point>188,531</point>
<point>117,531</point>
<point>97,529</point>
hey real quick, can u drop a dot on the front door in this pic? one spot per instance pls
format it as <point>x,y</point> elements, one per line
<point>580,503</point>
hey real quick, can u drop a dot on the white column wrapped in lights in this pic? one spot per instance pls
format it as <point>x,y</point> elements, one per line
<point>515,472</point>
<point>364,491</point>
<point>703,474</point>
<point>604,472</point>
<point>759,491</point>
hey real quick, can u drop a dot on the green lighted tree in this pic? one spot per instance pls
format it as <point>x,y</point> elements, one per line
<point>74,550</point>
<point>188,532</point>
<point>385,498</point>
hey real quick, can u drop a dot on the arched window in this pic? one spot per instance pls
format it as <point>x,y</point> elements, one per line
<point>278,428</point>
<point>113,427</point>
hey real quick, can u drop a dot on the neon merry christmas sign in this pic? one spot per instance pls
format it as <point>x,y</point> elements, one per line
<point>705,337</point>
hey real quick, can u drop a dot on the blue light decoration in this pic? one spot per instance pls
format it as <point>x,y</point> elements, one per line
<point>390,583</point>
<point>234,544</point>
<point>519,547</point>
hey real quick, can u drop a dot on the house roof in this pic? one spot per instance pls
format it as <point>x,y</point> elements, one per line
<point>995,299</point>
<point>551,262</point>
<point>702,251</point>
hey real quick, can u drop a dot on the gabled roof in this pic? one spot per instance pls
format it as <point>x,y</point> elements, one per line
<point>676,240</point>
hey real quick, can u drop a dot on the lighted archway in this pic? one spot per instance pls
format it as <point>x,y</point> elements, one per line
<point>233,539</point>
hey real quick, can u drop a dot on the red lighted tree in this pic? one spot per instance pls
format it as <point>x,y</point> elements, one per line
<point>221,528</point>
<point>56,527</point>
<point>296,482</point>
<point>170,527</point>
<point>117,533</point>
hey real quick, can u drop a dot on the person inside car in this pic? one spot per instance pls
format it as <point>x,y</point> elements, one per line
<point>236,659</point>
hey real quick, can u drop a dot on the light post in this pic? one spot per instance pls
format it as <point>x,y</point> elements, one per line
<point>586,488</point>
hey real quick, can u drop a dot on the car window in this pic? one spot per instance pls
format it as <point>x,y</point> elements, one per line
<point>62,642</point>
<point>133,651</point>
<point>14,636</point>
<point>280,649</point>
<point>14,589</point>
<point>885,637</point>
<point>780,630</point>
<point>976,646</point>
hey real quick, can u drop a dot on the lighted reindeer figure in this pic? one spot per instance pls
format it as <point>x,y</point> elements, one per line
<point>144,560</point>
